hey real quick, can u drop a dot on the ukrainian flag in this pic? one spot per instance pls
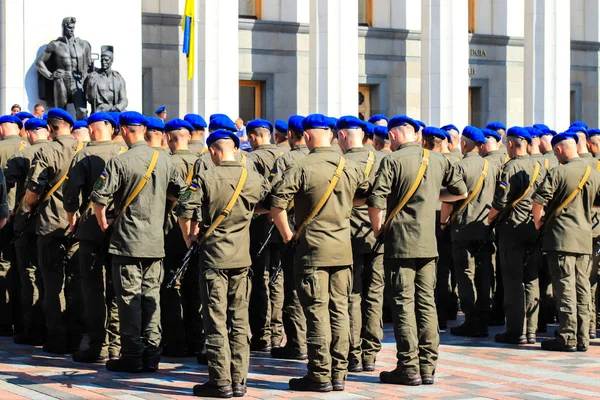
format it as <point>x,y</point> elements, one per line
<point>188,36</point>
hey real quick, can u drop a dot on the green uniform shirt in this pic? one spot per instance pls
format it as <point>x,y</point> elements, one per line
<point>456,154</point>
<point>85,170</point>
<point>470,222</point>
<point>51,165</point>
<point>197,148</point>
<point>8,147</point>
<point>570,230</point>
<point>282,163</point>
<point>139,231</point>
<point>553,161</point>
<point>363,238</point>
<point>264,158</point>
<point>326,240</point>
<point>184,163</point>
<point>284,147</point>
<point>204,162</point>
<point>18,170</point>
<point>411,232</point>
<point>498,158</point>
<point>595,164</point>
<point>514,181</point>
<point>229,245</point>
<point>502,149</point>
<point>4,209</point>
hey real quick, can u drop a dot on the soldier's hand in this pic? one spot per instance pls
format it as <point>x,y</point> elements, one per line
<point>288,237</point>
<point>190,240</point>
<point>72,220</point>
<point>539,224</point>
<point>58,74</point>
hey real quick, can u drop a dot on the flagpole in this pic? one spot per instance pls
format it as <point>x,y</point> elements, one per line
<point>195,90</point>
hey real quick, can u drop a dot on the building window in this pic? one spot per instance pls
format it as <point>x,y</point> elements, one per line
<point>364,102</point>
<point>471,16</point>
<point>475,106</point>
<point>251,99</point>
<point>365,12</point>
<point>250,9</point>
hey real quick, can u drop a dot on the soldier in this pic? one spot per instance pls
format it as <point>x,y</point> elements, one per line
<point>379,120</point>
<point>136,244</point>
<point>491,149</point>
<point>57,256</point>
<point>566,198</point>
<point>18,170</point>
<point>161,113</point>
<point>101,316</point>
<point>263,155</point>
<point>24,116</point>
<point>280,135</point>
<point>472,250</point>
<point>225,197</point>
<point>292,317</point>
<point>155,130</point>
<point>81,132</point>
<point>546,145</point>
<point>408,186</point>
<point>217,121</point>
<point>369,131</point>
<point>381,141</point>
<point>593,142</point>
<point>453,142</point>
<point>366,298</point>
<point>196,145</point>
<point>500,129</point>
<point>519,179</point>
<point>180,304</point>
<point>10,127</point>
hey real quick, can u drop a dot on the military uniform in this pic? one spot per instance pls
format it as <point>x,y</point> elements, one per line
<point>284,147</point>
<point>101,316</point>
<point>473,250</point>
<point>410,254</point>
<point>366,298</point>
<point>197,148</point>
<point>9,278</point>
<point>18,170</point>
<point>323,256</point>
<point>516,234</point>
<point>553,161</point>
<point>455,154</point>
<point>57,256</point>
<point>568,241</point>
<point>137,247</point>
<point>224,261</point>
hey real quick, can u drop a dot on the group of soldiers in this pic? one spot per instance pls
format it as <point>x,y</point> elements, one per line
<point>294,243</point>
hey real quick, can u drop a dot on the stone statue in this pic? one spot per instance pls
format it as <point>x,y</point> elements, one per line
<point>105,88</point>
<point>65,64</point>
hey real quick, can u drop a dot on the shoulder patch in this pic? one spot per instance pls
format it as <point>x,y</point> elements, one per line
<point>101,181</point>
<point>502,185</point>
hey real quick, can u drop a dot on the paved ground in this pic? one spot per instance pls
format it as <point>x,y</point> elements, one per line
<point>468,369</point>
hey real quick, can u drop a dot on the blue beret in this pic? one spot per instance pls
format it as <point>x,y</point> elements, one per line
<point>432,131</point>
<point>377,117</point>
<point>317,121</point>
<point>421,123</point>
<point>543,128</point>
<point>381,131</point>
<point>334,121</point>
<point>45,116</point>
<point>593,132</point>
<point>349,122</point>
<point>115,116</point>
<point>578,128</point>
<point>259,123</point>
<point>221,121</point>
<point>281,126</point>
<point>13,119</point>
<point>35,123</point>
<point>579,124</point>
<point>295,123</point>
<point>59,113</point>
<point>403,120</point>
<point>551,132</point>
<point>496,126</point>
<point>474,134</point>
<point>176,124</point>
<point>196,121</point>
<point>79,125</point>
<point>369,129</point>
<point>155,124</point>
<point>449,127</point>
<point>491,133</point>
<point>24,115</point>
<point>101,116</point>
<point>517,131</point>
<point>533,131</point>
<point>160,109</point>
<point>222,134</point>
<point>131,118</point>
<point>570,134</point>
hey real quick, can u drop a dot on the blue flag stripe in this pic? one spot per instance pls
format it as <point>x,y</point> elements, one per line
<point>186,35</point>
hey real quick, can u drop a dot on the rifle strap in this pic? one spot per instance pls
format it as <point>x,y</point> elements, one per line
<point>411,191</point>
<point>572,196</point>
<point>546,163</point>
<point>321,203</point>
<point>64,177</point>
<point>370,162</point>
<point>536,172</point>
<point>229,206</point>
<point>139,187</point>
<point>598,166</point>
<point>473,193</point>
<point>22,145</point>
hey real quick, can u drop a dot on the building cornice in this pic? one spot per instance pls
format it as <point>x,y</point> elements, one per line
<point>161,19</point>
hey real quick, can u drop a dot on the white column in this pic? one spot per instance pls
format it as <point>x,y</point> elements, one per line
<point>397,14</point>
<point>547,63</point>
<point>217,55</point>
<point>333,88</point>
<point>444,62</point>
<point>12,67</point>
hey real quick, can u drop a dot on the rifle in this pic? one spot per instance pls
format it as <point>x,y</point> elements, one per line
<point>264,244</point>
<point>536,244</point>
<point>103,247</point>
<point>286,254</point>
<point>30,217</point>
<point>192,250</point>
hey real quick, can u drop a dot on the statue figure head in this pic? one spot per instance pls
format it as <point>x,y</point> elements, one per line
<point>106,57</point>
<point>68,27</point>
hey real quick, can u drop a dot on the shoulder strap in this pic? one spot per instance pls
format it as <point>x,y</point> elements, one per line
<point>229,206</point>
<point>370,162</point>
<point>506,158</point>
<point>321,203</point>
<point>188,180</point>
<point>411,191</point>
<point>473,193</point>
<point>572,196</point>
<point>546,163</point>
<point>22,145</point>
<point>536,172</point>
<point>598,166</point>
<point>139,187</point>
<point>64,177</point>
